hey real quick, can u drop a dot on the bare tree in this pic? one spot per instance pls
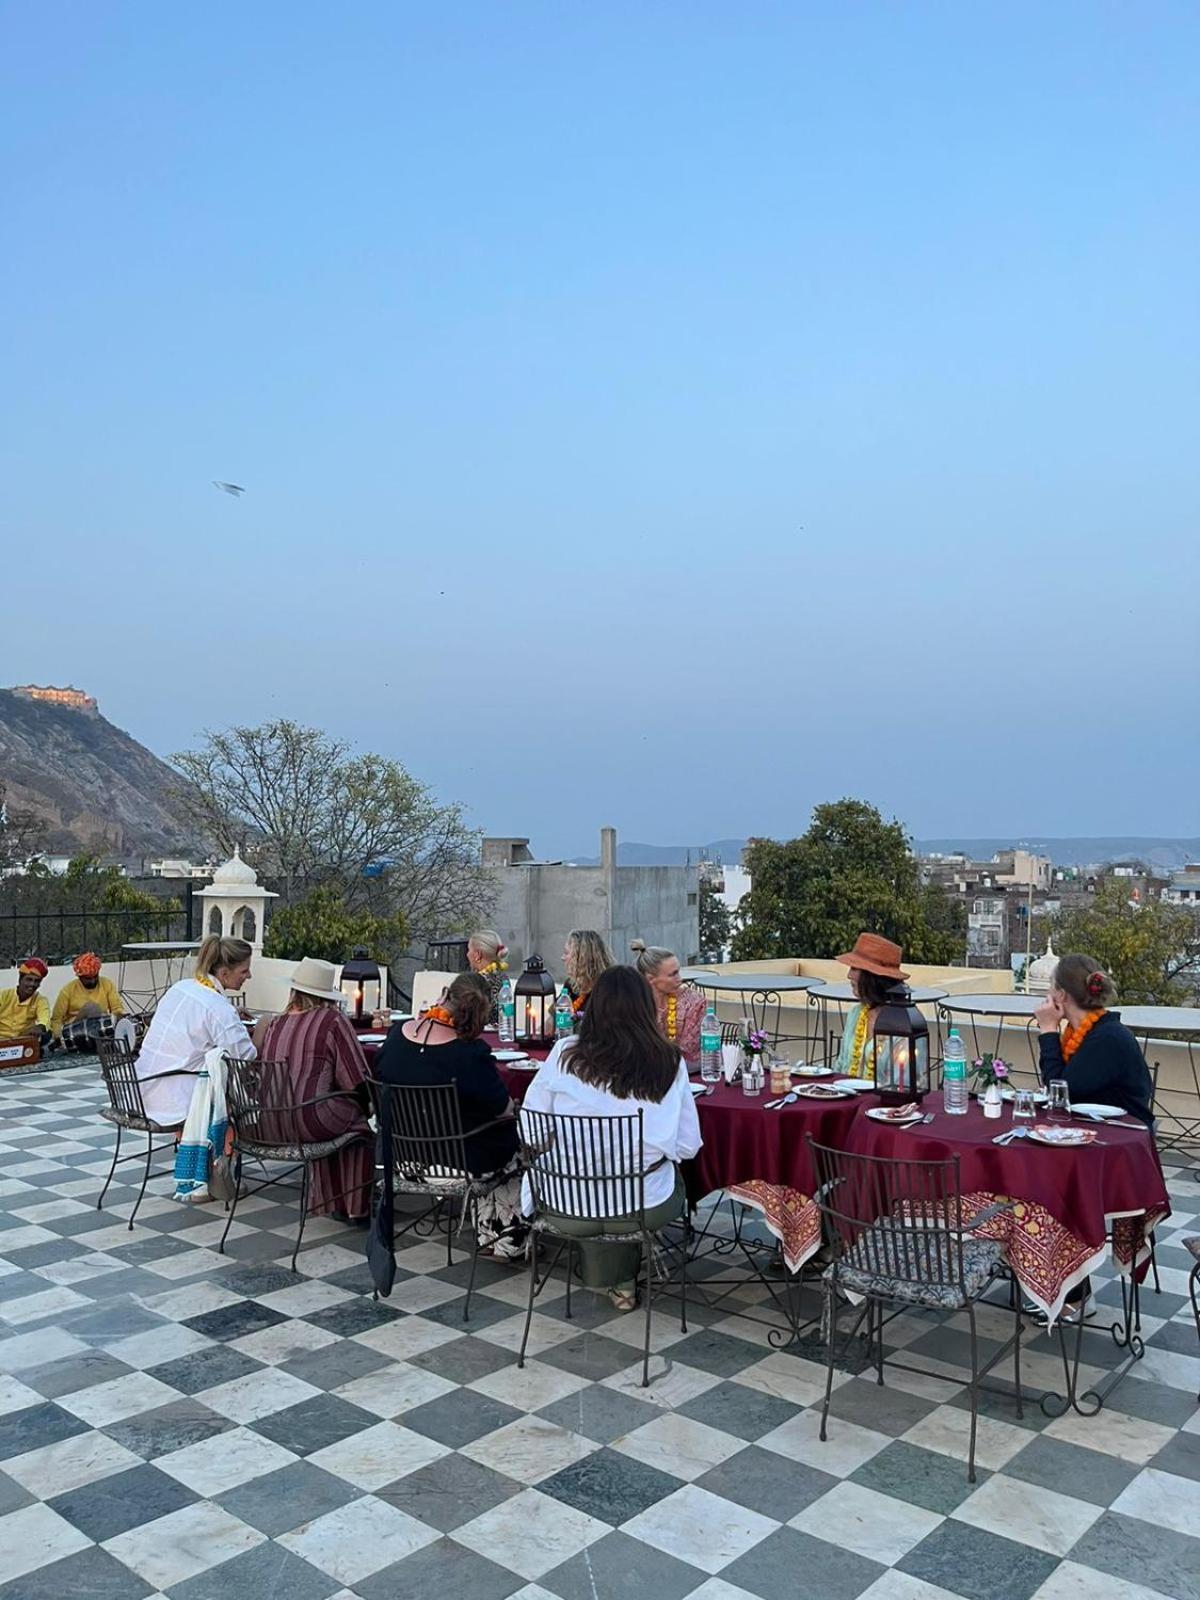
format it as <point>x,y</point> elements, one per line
<point>22,834</point>
<point>306,812</point>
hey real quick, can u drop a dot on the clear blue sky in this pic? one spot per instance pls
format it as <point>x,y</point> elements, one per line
<point>665,414</point>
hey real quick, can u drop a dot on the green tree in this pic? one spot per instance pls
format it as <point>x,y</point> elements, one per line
<point>1147,949</point>
<point>321,924</point>
<point>851,871</point>
<point>714,923</point>
<point>87,906</point>
<point>307,813</point>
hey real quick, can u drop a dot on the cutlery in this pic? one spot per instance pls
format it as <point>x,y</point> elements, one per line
<point>778,1105</point>
<point>920,1121</point>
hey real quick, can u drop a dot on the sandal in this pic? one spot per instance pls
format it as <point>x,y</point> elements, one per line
<point>624,1299</point>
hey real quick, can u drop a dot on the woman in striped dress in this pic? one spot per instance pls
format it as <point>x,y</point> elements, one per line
<point>325,1058</point>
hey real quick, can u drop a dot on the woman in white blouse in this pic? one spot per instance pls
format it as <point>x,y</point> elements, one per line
<point>192,1018</point>
<point>619,1064</point>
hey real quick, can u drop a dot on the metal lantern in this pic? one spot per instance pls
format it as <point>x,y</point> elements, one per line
<point>534,997</point>
<point>901,1049</point>
<point>361,985</point>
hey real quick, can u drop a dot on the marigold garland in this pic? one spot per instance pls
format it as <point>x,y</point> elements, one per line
<point>438,1014</point>
<point>857,1047</point>
<point>1074,1037</point>
<point>494,966</point>
<point>577,1003</point>
<point>206,981</point>
<point>672,1015</point>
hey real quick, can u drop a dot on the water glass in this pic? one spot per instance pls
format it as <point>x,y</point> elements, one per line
<point>752,1076</point>
<point>1023,1106</point>
<point>1058,1106</point>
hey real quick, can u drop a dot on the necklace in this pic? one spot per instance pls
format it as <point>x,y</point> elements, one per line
<point>857,1065</point>
<point>438,1014</point>
<point>494,966</point>
<point>202,978</point>
<point>1074,1037</point>
<point>672,1014</point>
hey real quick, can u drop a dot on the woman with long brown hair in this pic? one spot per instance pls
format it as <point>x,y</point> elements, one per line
<point>617,1064</point>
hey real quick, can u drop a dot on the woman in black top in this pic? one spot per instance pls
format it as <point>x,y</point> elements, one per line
<point>1096,1054</point>
<point>1099,1058</point>
<point>442,1045</point>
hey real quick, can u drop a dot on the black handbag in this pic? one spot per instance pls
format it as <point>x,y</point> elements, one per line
<point>381,1248</point>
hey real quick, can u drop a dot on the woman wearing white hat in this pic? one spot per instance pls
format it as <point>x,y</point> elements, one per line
<point>326,1065</point>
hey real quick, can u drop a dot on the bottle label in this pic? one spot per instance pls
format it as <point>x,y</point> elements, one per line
<point>508,1009</point>
<point>954,1071</point>
<point>710,1041</point>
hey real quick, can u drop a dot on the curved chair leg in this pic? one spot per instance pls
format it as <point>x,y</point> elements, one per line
<point>648,1261</point>
<point>145,1178</point>
<point>1193,1286</point>
<point>974,1393</point>
<point>303,1212</point>
<point>111,1170</point>
<point>237,1191</point>
<point>570,1256</point>
<point>472,1208</point>
<point>533,1277</point>
<point>1017,1360</point>
<point>449,1236</point>
<point>830,1319</point>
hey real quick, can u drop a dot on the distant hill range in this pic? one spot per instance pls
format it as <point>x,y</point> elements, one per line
<point>1165,854</point>
<point>92,785</point>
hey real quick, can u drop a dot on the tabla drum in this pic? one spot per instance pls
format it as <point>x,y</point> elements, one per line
<point>84,1032</point>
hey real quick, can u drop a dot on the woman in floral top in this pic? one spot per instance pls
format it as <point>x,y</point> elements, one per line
<point>486,955</point>
<point>680,1010</point>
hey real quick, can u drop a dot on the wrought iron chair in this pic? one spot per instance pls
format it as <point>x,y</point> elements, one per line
<point>265,1117</point>
<point>1193,1245</point>
<point>126,1110</point>
<point>423,1125</point>
<point>899,1237</point>
<point>590,1169</point>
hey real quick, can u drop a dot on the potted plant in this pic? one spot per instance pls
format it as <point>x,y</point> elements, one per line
<point>989,1076</point>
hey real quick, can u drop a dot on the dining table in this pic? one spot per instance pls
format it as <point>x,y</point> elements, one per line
<point>516,1075</point>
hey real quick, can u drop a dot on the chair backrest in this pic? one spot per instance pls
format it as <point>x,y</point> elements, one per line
<point>591,1167</point>
<point>118,1068</point>
<point>423,1121</point>
<point>427,988</point>
<point>260,1101</point>
<point>893,1219</point>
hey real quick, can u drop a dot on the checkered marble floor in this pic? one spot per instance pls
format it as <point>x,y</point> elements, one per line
<point>177,1422</point>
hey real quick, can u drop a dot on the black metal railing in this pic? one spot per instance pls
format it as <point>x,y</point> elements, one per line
<point>59,936</point>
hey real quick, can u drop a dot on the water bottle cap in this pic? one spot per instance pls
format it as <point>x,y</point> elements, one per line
<point>953,1033</point>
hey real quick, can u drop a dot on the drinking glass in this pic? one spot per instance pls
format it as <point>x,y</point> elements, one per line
<point>1058,1107</point>
<point>1023,1106</point>
<point>781,1075</point>
<point>752,1076</point>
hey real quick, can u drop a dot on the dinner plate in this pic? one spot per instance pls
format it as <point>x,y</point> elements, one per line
<point>813,1072</point>
<point>1088,1108</point>
<point>855,1085</point>
<point>823,1091</point>
<point>371,1038</point>
<point>888,1114</point>
<point>1064,1138</point>
<point>510,1055</point>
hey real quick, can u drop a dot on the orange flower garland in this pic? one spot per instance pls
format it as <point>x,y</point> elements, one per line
<point>438,1014</point>
<point>578,1003</point>
<point>1074,1037</point>
<point>672,1015</point>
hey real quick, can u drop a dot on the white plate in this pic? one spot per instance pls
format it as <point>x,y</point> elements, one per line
<point>510,1055</point>
<point>1087,1108</point>
<point>1064,1138</point>
<point>829,1091</point>
<point>371,1038</point>
<point>858,1085</point>
<point>813,1072</point>
<point>880,1114</point>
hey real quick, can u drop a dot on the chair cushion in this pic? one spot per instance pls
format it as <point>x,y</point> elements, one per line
<point>127,1120</point>
<point>915,1262</point>
<point>311,1151</point>
<point>1193,1245</point>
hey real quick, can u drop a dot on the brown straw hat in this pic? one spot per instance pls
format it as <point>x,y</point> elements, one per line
<point>874,954</point>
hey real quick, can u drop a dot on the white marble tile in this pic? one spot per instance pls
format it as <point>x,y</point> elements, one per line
<point>1047,1520</point>
<point>672,1383</point>
<point>529,1449</point>
<point>50,1210</point>
<point>719,1589</point>
<point>408,1336</point>
<point>947,1430</point>
<point>188,1264</point>
<point>1069,1581</point>
<point>896,1585</point>
<point>34,1537</point>
<point>1163,1499</point>
<point>701,1528</point>
<point>325,1259</point>
<point>358,1539</point>
<point>419,1294</point>
<point>544,1333</point>
<point>843,1452</point>
<point>530,1387</point>
<point>377,1455</point>
<point>16,1396</point>
<point>81,1270</point>
<point>69,1464</point>
<point>194,1301</point>
<point>664,1331</point>
<point>257,1394</point>
<point>790,1378</point>
<point>175,1547</point>
<point>531,1534</point>
<point>391,1391</point>
<point>122,1397</point>
<point>679,1445</point>
<point>1113,1432</point>
<point>301,1299</point>
<point>156,1345</point>
<point>285,1340</point>
<point>214,1465</point>
<point>874,1525</point>
<point>42,1303</point>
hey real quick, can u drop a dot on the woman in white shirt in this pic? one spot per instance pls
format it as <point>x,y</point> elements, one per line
<point>619,1064</point>
<point>192,1018</point>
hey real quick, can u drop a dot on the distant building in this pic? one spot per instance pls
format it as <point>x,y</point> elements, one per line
<point>540,902</point>
<point>175,867</point>
<point>1184,887</point>
<point>72,699</point>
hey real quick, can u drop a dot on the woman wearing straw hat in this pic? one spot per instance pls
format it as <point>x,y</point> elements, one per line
<point>874,967</point>
<point>326,1065</point>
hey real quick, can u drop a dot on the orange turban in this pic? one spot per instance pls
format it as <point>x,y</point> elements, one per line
<point>87,965</point>
<point>34,965</point>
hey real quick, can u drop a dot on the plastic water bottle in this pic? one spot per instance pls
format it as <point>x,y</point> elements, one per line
<point>710,1047</point>
<point>564,1017</point>
<point>507,1014</point>
<point>954,1076</point>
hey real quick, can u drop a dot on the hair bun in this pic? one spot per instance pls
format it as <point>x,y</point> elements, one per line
<point>1095,984</point>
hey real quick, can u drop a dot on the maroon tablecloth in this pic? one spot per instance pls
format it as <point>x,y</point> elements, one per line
<point>1066,1200</point>
<point>516,1077</point>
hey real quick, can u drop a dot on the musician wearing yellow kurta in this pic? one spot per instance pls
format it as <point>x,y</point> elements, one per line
<point>87,995</point>
<point>24,1013</point>
<point>874,967</point>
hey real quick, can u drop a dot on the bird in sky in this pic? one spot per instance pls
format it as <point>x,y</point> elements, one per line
<point>228,488</point>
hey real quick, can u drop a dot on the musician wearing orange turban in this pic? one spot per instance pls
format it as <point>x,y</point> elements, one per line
<point>81,1005</point>
<point>24,1013</point>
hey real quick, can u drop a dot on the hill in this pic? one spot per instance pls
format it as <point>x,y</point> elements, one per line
<point>92,785</point>
<point>1165,854</point>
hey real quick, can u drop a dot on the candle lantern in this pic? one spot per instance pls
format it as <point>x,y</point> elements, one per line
<point>901,1049</point>
<point>534,998</point>
<point>361,985</point>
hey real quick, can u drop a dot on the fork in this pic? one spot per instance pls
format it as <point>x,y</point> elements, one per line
<point>918,1123</point>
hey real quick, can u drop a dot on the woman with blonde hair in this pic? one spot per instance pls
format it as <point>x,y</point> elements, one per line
<point>195,1015</point>
<point>680,1011</point>
<point>327,1075</point>
<point>486,951</point>
<point>585,957</point>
